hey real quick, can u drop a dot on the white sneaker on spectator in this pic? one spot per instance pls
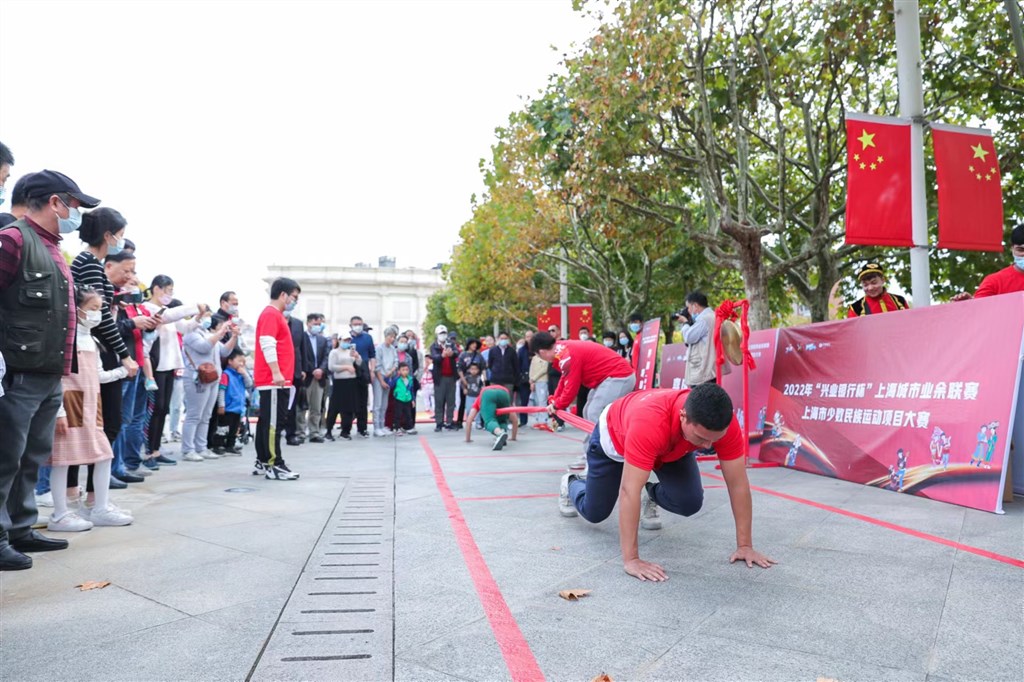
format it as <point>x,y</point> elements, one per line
<point>192,457</point>
<point>175,437</point>
<point>111,516</point>
<point>206,454</point>
<point>578,464</point>
<point>44,500</point>
<point>85,511</point>
<point>70,522</point>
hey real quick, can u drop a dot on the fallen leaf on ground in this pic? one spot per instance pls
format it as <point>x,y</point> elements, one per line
<point>603,677</point>
<point>556,549</point>
<point>573,595</point>
<point>92,585</point>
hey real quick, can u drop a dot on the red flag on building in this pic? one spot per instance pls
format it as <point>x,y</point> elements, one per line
<point>970,191</point>
<point>878,181</point>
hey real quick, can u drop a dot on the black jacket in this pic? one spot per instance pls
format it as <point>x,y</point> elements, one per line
<point>303,360</point>
<point>504,365</point>
<point>435,353</point>
<point>323,349</point>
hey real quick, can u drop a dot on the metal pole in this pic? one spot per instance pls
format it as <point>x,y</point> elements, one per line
<point>908,69</point>
<point>563,298</point>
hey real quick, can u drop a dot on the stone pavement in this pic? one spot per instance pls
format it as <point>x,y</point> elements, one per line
<point>430,559</point>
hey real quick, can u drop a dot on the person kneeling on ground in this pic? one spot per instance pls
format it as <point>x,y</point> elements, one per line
<point>660,430</point>
<point>487,404</point>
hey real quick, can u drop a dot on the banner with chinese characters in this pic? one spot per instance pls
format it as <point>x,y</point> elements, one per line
<point>672,373</point>
<point>918,401</point>
<point>762,346</point>
<point>647,354</point>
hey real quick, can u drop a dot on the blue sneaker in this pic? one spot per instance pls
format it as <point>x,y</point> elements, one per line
<point>166,460</point>
<point>151,464</point>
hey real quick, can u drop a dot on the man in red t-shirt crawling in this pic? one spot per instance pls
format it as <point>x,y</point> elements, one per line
<point>273,372</point>
<point>659,431</point>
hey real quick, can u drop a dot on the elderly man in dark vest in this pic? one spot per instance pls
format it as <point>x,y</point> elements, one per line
<point>37,339</point>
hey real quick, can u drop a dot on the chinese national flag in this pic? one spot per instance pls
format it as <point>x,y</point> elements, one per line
<point>579,316</point>
<point>878,181</point>
<point>553,316</point>
<point>970,192</point>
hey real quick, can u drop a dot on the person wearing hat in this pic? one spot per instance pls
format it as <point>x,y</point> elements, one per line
<point>876,298</point>
<point>445,354</point>
<point>37,339</point>
<point>1007,280</point>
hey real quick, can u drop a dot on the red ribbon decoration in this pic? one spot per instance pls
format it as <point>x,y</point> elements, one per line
<point>730,310</point>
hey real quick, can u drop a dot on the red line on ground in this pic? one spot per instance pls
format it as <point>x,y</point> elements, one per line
<point>506,473</point>
<point>505,497</point>
<point>516,454</point>
<point>1019,563</point>
<point>522,665</point>
<point>574,440</point>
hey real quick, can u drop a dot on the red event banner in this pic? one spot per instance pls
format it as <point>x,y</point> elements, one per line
<point>672,373</point>
<point>918,401</point>
<point>762,345</point>
<point>647,354</point>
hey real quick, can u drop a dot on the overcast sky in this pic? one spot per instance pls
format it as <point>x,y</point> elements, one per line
<point>237,134</point>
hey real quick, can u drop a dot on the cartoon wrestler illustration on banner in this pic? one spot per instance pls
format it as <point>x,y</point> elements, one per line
<point>939,446</point>
<point>777,424</point>
<point>990,448</point>
<point>901,468</point>
<point>981,448</point>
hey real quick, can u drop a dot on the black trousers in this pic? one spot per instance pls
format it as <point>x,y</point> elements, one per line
<point>229,421</point>
<point>405,417</point>
<point>273,412</point>
<point>110,397</point>
<point>362,405</point>
<point>344,396</point>
<point>523,390</point>
<point>161,408</point>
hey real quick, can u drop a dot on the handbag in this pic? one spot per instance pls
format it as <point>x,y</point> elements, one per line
<point>206,373</point>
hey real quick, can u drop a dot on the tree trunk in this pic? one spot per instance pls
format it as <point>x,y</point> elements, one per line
<point>748,251</point>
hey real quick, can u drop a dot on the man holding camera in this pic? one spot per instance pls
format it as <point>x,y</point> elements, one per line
<point>445,354</point>
<point>699,324</point>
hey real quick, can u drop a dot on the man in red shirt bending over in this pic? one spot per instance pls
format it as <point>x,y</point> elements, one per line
<point>607,374</point>
<point>274,369</point>
<point>658,431</point>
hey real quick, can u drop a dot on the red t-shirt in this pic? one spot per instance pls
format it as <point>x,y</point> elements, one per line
<point>644,428</point>
<point>494,387</point>
<point>585,363</point>
<point>1005,281</point>
<point>272,323</point>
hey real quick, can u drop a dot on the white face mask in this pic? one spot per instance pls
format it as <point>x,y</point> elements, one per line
<point>92,319</point>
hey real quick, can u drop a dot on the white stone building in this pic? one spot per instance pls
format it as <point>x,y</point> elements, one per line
<point>382,295</point>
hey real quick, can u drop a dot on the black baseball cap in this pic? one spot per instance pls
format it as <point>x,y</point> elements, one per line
<point>47,182</point>
<point>870,269</point>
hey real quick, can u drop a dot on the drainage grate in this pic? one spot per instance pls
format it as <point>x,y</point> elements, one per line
<point>341,634</point>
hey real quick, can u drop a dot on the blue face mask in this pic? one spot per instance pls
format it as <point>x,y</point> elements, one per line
<point>205,323</point>
<point>114,249</point>
<point>403,346</point>
<point>502,342</point>
<point>609,343</point>
<point>317,329</point>
<point>623,341</point>
<point>1019,262</point>
<point>290,306</point>
<point>3,193</point>
<point>72,222</point>
<point>345,345</point>
<point>634,327</point>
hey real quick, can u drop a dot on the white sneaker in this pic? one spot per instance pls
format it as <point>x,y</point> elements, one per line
<point>110,516</point>
<point>649,518</point>
<point>565,505</point>
<point>45,500</point>
<point>410,432</point>
<point>207,454</point>
<point>500,440</point>
<point>85,511</point>
<point>175,437</point>
<point>578,464</point>
<point>277,473</point>
<point>141,471</point>
<point>70,522</point>
<point>192,457</point>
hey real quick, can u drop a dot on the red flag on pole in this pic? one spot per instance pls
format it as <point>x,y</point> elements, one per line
<point>878,181</point>
<point>580,315</point>
<point>970,191</point>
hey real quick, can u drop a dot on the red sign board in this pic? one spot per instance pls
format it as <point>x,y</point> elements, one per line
<point>762,346</point>
<point>915,401</point>
<point>673,366</point>
<point>647,354</point>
